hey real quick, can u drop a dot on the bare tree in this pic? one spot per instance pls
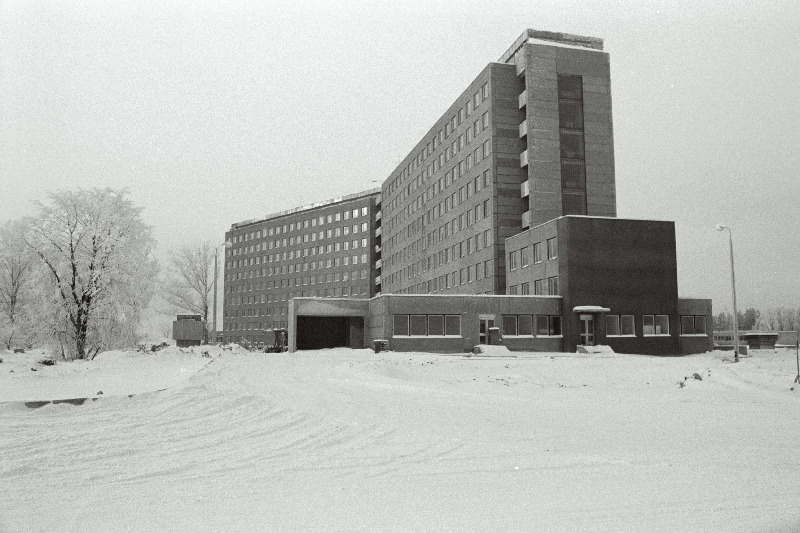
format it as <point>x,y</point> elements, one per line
<point>97,269</point>
<point>16,265</point>
<point>191,280</point>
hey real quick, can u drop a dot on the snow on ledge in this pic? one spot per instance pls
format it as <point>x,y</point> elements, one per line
<point>590,309</point>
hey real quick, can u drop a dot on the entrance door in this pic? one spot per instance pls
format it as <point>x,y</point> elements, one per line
<point>587,330</point>
<point>487,321</point>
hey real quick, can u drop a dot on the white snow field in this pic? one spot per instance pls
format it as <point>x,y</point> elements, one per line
<point>336,440</point>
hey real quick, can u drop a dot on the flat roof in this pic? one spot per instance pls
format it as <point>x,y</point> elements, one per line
<point>308,207</point>
<point>578,41</point>
<point>598,217</point>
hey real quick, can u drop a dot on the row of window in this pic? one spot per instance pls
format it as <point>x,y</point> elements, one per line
<point>299,239</point>
<point>296,282</point>
<point>461,114</point>
<point>623,325</point>
<point>452,253</point>
<point>522,325</point>
<point>466,275</point>
<point>472,159</point>
<point>446,230</point>
<point>522,257</point>
<point>303,224</point>
<point>427,325</point>
<point>297,254</point>
<point>539,287</point>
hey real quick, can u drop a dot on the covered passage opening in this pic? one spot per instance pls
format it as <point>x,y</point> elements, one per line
<point>316,332</point>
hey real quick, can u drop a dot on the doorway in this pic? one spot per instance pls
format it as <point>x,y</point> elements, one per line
<point>587,330</point>
<point>316,332</point>
<point>487,321</point>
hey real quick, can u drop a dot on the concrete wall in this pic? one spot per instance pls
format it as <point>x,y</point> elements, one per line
<point>543,64</point>
<point>628,266</point>
<point>696,343</point>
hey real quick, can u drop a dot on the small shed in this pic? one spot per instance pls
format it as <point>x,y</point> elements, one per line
<point>189,330</point>
<point>761,340</point>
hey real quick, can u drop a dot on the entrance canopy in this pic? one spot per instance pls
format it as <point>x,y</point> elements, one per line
<point>590,309</point>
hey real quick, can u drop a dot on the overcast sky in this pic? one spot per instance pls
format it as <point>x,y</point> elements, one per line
<point>212,114</point>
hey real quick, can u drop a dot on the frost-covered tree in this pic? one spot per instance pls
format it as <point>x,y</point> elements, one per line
<point>97,271</point>
<point>16,269</point>
<point>191,280</point>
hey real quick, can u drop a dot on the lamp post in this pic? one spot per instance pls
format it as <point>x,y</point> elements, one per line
<point>721,227</point>
<point>226,244</point>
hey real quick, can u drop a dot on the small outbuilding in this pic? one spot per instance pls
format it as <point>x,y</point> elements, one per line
<point>189,330</point>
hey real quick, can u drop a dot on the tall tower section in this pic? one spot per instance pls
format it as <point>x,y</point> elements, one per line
<point>565,130</point>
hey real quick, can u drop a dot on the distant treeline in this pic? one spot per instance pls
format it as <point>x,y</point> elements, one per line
<point>752,319</point>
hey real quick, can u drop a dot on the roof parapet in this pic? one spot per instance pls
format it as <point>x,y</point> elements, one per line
<point>315,205</point>
<point>595,43</point>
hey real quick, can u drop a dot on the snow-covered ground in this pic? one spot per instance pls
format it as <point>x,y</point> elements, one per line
<point>350,440</point>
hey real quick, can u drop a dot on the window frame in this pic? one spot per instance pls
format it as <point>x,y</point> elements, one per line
<point>654,319</point>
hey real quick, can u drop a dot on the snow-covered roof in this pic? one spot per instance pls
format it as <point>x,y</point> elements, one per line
<point>590,309</point>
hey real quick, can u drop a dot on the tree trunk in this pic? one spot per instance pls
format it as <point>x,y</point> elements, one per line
<point>80,339</point>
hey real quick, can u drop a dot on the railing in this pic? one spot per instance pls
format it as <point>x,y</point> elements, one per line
<point>523,129</point>
<point>523,159</point>
<point>523,99</point>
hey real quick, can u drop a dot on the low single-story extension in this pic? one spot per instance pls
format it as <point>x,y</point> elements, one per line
<point>456,323</point>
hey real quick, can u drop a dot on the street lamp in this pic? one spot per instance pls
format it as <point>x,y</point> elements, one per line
<point>721,227</point>
<point>226,244</point>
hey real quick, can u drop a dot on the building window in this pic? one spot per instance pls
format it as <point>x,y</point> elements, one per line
<point>573,159</point>
<point>512,260</point>
<point>401,325</point>
<point>552,286</point>
<point>523,257</point>
<point>626,326</point>
<point>525,288</point>
<point>538,287</point>
<point>655,325</point>
<point>537,253</point>
<point>552,248</point>
<point>418,325</point>
<point>620,326</point>
<point>612,325</point>
<point>512,290</point>
<point>518,325</point>
<point>548,325</point>
<point>693,325</point>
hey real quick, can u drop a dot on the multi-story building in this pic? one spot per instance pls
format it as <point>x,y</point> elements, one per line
<point>500,223</point>
<point>328,249</point>
<point>528,141</point>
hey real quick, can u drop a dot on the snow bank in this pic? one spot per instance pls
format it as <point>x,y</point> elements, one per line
<point>23,377</point>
